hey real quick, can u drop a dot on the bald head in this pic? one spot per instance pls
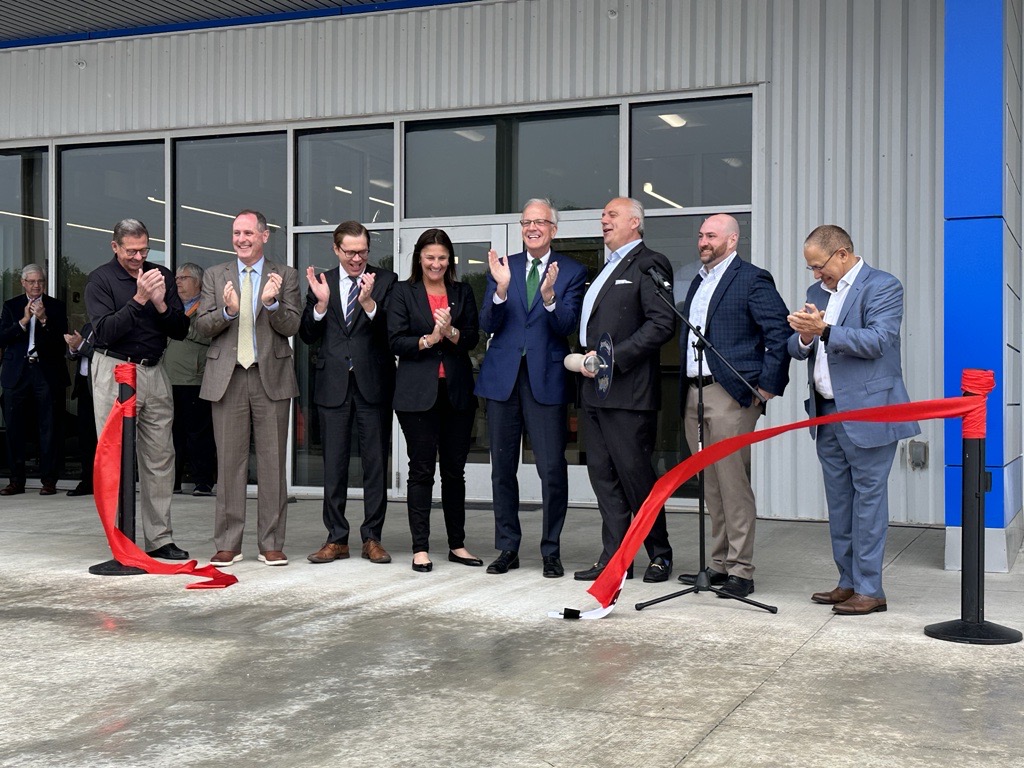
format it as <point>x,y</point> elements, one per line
<point>717,238</point>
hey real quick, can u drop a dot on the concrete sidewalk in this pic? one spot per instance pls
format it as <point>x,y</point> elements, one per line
<point>357,664</point>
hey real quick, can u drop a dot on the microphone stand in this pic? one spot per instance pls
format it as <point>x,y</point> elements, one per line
<point>703,582</point>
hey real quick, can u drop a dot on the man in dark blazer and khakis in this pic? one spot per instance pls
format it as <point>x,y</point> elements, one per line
<point>619,431</point>
<point>249,309</point>
<point>354,384</point>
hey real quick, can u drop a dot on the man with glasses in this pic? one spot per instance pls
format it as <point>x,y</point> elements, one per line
<point>849,333</point>
<point>355,382</point>
<point>739,311</point>
<point>249,308</point>
<point>32,328</point>
<point>134,308</point>
<point>530,307</point>
<point>185,362</point>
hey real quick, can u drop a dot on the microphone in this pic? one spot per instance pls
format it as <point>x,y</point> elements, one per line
<point>577,362</point>
<point>659,278</point>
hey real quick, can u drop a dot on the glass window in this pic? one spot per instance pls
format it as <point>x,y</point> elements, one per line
<point>345,175</point>
<point>450,169</point>
<point>217,178</point>
<point>308,469</point>
<point>99,186</point>
<point>692,153</point>
<point>23,214</point>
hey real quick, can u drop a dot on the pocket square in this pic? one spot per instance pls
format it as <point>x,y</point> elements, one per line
<point>623,282</point>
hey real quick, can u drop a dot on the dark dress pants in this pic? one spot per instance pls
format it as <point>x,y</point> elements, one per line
<point>545,424</point>
<point>619,446</point>
<point>442,432</point>
<point>33,390</point>
<point>86,423</point>
<point>336,431</point>
<point>193,436</point>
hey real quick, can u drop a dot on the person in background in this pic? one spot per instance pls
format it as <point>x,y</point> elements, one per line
<point>80,353</point>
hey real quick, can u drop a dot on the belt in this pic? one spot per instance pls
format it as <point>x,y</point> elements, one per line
<point>702,381</point>
<point>32,359</point>
<point>147,362</point>
<point>821,399</point>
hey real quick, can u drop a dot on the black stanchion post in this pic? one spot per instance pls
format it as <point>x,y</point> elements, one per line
<point>126,490</point>
<point>971,627</point>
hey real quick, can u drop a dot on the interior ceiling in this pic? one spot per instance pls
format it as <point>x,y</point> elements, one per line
<point>40,22</point>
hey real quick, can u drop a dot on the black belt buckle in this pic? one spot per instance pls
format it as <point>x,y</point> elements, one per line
<point>32,359</point>
<point>702,381</point>
<point>146,362</point>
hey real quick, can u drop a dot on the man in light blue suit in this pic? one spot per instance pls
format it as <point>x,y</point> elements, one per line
<point>531,305</point>
<point>849,333</point>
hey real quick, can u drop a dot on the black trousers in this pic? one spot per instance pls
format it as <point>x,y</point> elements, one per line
<point>194,443</point>
<point>86,424</point>
<point>33,390</point>
<point>336,432</point>
<point>442,432</point>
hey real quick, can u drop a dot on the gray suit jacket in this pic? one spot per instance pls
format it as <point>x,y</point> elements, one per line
<point>863,355</point>
<point>273,329</point>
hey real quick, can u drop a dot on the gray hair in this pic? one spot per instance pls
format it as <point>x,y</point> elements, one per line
<point>32,269</point>
<point>129,228</point>
<point>546,203</point>
<point>638,211</point>
<point>188,269</point>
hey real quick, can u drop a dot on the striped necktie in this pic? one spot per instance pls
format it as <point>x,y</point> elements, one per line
<point>350,307</point>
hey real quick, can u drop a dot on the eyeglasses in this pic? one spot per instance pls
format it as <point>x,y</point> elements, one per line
<point>131,253</point>
<point>536,222</point>
<point>812,268</point>
<point>33,282</point>
<point>186,277</point>
<point>355,254</point>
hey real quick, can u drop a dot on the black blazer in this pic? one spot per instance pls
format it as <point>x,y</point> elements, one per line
<point>81,387</point>
<point>366,345</point>
<point>50,344</point>
<point>639,322</point>
<point>409,318</point>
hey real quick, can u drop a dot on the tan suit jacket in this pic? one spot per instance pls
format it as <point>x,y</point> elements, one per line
<point>273,329</point>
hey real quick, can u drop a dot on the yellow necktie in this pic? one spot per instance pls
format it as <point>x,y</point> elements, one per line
<point>245,322</point>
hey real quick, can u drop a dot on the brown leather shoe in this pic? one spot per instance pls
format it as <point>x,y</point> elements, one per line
<point>837,595</point>
<point>48,490</point>
<point>273,557</point>
<point>12,489</point>
<point>225,557</point>
<point>329,552</point>
<point>859,605</point>
<point>374,552</point>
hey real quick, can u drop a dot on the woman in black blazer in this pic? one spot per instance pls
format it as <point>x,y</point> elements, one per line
<point>432,325</point>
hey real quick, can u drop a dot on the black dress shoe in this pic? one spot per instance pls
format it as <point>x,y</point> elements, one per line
<point>715,577</point>
<point>169,552</point>
<point>422,567</point>
<point>82,489</point>
<point>508,560</point>
<point>736,587</point>
<point>474,561</point>
<point>553,568</point>
<point>203,489</point>
<point>659,570</point>
<point>594,571</point>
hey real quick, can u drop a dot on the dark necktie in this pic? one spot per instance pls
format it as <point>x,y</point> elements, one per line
<point>532,282</point>
<point>350,308</point>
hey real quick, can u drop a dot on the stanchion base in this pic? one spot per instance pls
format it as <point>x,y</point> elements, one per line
<point>114,568</point>
<point>976,633</point>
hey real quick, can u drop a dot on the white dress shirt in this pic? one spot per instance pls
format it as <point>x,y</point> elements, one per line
<point>822,377</point>
<point>699,313</point>
<point>595,287</point>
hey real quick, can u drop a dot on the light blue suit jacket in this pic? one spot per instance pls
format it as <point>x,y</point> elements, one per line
<point>863,355</point>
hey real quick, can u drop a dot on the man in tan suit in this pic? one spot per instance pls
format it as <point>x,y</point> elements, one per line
<point>249,308</point>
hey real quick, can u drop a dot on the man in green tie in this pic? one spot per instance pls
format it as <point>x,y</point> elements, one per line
<point>250,380</point>
<point>530,307</point>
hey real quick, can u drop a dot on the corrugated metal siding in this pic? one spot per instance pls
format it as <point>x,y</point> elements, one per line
<point>850,127</point>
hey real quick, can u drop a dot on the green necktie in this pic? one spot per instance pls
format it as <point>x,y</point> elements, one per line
<point>532,283</point>
<point>245,321</point>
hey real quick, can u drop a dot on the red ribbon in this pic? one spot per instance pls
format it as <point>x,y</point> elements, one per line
<point>607,584</point>
<point>106,481</point>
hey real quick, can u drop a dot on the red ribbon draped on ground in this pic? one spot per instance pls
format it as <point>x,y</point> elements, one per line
<point>106,481</point>
<point>972,409</point>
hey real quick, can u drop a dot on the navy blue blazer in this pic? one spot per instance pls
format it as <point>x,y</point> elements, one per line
<point>542,334</point>
<point>49,341</point>
<point>747,323</point>
<point>409,318</point>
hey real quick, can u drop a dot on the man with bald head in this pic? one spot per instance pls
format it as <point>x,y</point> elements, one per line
<point>738,309</point>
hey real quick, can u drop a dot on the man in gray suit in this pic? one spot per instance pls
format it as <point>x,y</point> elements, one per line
<point>849,333</point>
<point>250,379</point>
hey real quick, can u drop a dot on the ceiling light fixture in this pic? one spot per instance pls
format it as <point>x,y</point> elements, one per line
<point>676,121</point>
<point>23,216</point>
<point>649,189</point>
<point>342,189</point>
<point>382,202</point>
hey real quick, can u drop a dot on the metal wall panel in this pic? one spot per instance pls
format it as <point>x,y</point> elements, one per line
<point>848,127</point>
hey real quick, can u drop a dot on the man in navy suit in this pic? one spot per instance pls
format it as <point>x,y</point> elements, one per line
<point>849,333</point>
<point>530,307</point>
<point>619,430</point>
<point>739,311</point>
<point>355,381</point>
<point>32,328</point>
